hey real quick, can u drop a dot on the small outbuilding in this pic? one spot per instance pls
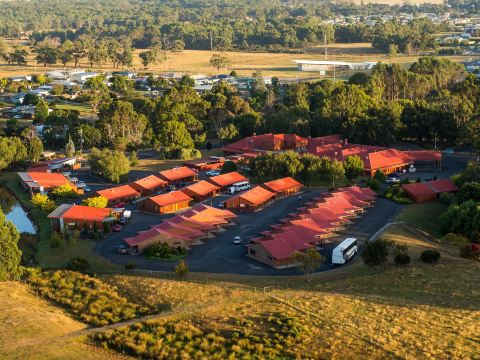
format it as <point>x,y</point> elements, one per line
<point>428,191</point>
<point>149,185</point>
<point>251,200</point>
<point>118,194</point>
<point>283,187</point>
<point>223,181</point>
<point>201,190</point>
<point>178,175</point>
<point>166,203</point>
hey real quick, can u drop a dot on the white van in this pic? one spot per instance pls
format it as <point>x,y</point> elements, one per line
<point>240,186</point>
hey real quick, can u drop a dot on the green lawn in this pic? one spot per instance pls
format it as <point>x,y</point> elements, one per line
<point>425,216</point>
<point>84,109</point>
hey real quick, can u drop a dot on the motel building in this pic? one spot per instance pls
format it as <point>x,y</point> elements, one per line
<point>283,187</point>
<point>149,185</point>
<point>118,194</point>
<point>224,181</point>
<point>44,182</point>
<point>201,190</point>
<point>166,203</point>
<point>251,200</point>
<point>178,175</point>
<point>69,217</point>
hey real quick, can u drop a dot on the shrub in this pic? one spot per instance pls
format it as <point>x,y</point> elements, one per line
<point>57,240</point>
<point>228,166</point>
<point>181,269</point>
<point>375,253</point>
<point>88,298</point>
<point>430,256</point>
<point>374,184</point>
<point>43,202</point>
<point>380,176</point>
<point>445,199</point>
<point>162,250</point>
<point>402,259</point>
<point>186,154</point>
<point>77,264</point>
<point>133,158</point>
<point>96,201</point>
<point>64,191</point>
<point>455,239</point>
<point>130,266</point>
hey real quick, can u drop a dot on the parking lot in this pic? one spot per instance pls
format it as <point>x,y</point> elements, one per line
<point>220,255</point>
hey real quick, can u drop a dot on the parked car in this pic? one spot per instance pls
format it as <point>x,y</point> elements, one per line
<point>448,151</point>
<point>170,188</point>
<point>392,180</point>
<point>237,240</point>
<point>213,172</point>
<point>117,228</point>
<point>86,188</point>
<point>120,205</point>
<point>122,248</point>
<point>122,221</point>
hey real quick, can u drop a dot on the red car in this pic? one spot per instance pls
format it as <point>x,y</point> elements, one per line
<point>117,228</point>
<point>120,205</point>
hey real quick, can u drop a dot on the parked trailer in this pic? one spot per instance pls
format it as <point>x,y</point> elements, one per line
<point>344,251</point>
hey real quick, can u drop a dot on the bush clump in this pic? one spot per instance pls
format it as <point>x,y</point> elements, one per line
<point>402,259</point>
<point>163,251</point>
<point>90,299</point>
<point>375,253</point>
<point>274,336</point>
<point>77,264</point>
<point>430,256</point>
<point>396,193</point>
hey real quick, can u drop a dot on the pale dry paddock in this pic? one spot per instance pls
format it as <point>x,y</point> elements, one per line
<point>244,63</point>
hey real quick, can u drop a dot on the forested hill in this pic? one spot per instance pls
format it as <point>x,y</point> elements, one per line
<point>201,24</point>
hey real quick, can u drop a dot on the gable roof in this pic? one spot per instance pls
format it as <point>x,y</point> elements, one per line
<point>443,185</point>
<point>423,155</point>
<point>227,179</point>
<point>170,198</point>
<point>150,182</point>
<point>201,187</point>
<point>418,189</point>
<point>283,184</point>
<point>257,195</point>
<point>430,187</point>
<point>119,192</point>
<point>44,179</point>
<point>384,159</point>
<point>80,212</point>
<point>279,248</point>
<point>177,173</point>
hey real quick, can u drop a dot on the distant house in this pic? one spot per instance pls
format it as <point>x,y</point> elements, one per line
<point>69,217</point>
<point>250,200</point>
<point>166,203</point>
<point>428,191</point>
<point>283,187</point>
<point>123,193</point>
<point>225,180</point>
<point>54,165</point>
<point>44,182</point>
<point>149,185</point>
<point>201,190</point>
<point>202,165</point>
<point>178,175</point>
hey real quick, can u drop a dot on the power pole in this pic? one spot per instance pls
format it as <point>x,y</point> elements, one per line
<point>325,43</point>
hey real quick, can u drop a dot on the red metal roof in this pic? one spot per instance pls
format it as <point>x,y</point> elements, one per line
<point>418,189</point>
<point>227,179</point>
<point>82,213</point>
<point>257,196</point>
<point>170,198</point>
<point>150,182</point>
<point>175,230</point>
<point>423,155</point>
<point>119,192</point>
<point>323,140</point>
<point>444,185</point>
<point>384,159</point>
<point>283,184</point>
<point>177,173</point>
<point>279,249</point>
<point>143,236</point>
<point>202,188</point>
<point>46,179</point>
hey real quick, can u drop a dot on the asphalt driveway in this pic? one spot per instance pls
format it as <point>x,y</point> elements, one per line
<point>220,255</point>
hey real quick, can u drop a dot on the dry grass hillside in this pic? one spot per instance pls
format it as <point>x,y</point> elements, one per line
<point>415,312</point>
<point>32,328</point>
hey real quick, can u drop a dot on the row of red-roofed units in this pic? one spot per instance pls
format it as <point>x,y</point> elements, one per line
<point>316,223</point>
<point>189,228</point>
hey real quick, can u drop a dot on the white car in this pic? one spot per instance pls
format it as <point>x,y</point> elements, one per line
<point>237,240</point>
<point>213,172</point>
<point>392,180</point>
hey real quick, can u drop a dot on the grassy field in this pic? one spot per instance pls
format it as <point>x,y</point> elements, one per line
<point>32,328</point>
<point>425,216</point>
<point>245,63</point>
<point>83,109</point>
<point>156,165</point>
<point>415,312</point>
